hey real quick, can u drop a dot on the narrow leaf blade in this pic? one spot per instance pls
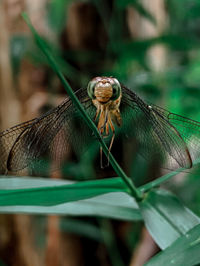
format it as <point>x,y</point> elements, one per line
<point>165,217</point>
<point>114,205</point>
<point>184,251</point>
<point>52,194</point>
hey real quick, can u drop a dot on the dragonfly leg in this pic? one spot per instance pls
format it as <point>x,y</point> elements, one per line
<point>97,113</point>
<point>109,123</point>
<point>101,158</point>
<point>103,127</point>
<point>112,139</point>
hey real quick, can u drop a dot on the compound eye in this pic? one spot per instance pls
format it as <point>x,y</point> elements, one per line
<point>90,89</point>
<point>116,90</point>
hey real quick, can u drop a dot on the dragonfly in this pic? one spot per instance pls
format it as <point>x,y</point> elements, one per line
<point>172,140</point>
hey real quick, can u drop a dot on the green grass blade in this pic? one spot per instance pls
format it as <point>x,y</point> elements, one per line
<point>43,196</point>
<point>157,182</point>
<point>81,228</point>
<point>165,217</point>
<point>91,207</point>
<point>184,251</point>
<point>51,195</point>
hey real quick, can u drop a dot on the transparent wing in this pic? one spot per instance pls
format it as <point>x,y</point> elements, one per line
<point>50,137</point>
<point>157,133</point>
<point>7,139</point>
<point>188,129</point>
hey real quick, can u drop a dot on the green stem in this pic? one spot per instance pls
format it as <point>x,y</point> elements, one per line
<point>132,189</point>
<point>155,183</point>
<point>159,181</point>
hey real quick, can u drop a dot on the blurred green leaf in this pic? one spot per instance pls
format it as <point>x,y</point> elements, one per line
<point>165,217</point>
<point>57,11</point>
<point>49,194</point>
<point>173,41</point>
<point>192,73</point>
<point>18,48</point>
<point>44,196</point>
<point>184,251</point>
<point>81,228</point>
<point>38,57</point>
<point>110,242</point>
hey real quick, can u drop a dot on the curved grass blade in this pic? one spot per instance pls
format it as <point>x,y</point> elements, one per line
<point>157,182</point>
<point>184,251</point>
<point>165,217</point>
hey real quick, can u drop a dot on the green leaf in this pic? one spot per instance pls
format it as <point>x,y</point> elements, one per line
<point>184,251</point>
<point>57,14</point>
<point>36,55</point>
<point>103,206</point>
<point>81,227</point>
<point>165,217</point>
<point>158,181</point>
<point>43,196</point>
<point>10,182</point>
<point>55,194</point>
